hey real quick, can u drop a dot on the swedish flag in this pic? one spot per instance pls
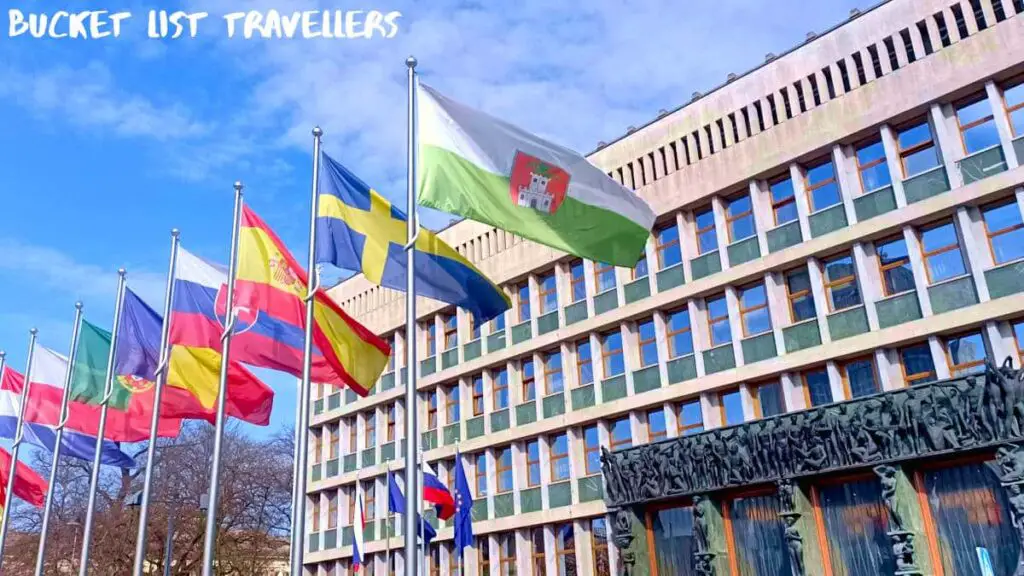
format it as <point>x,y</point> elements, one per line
<point>358,229</point>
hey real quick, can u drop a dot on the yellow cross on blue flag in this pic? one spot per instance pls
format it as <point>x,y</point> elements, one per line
<point>358,229</point>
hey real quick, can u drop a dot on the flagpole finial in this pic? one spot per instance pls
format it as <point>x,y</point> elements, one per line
<point>238,186</point>
<point>317,132</point>
<point>175,232</point>
<point>78,305</point>
<point>3,353</point>
<point>34,331</point>
<point>121,272</point>
<point>410,61</point>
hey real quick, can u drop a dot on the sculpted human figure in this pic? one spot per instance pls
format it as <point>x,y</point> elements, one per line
<point>794,544</point>
<point>888,478</point>
<point>700,523</point>
<point>613,480</point>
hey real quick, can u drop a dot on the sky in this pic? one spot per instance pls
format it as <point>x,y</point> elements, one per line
<point>107,144</point>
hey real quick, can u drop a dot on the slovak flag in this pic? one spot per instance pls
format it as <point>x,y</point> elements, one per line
<point>437,494</point>
<point>358,520</point>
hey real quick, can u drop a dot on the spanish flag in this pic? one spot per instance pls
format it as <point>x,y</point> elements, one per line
<point>271,286</point>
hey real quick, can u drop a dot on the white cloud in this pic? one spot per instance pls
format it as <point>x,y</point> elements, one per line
<point>50,268</point>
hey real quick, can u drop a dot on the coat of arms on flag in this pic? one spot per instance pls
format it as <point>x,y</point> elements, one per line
<point>537,184</point>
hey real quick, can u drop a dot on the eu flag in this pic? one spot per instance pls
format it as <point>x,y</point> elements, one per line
<point>358,229</point>
<point>463,507</point>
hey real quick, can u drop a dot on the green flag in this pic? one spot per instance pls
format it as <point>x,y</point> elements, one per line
<point>87,383</point>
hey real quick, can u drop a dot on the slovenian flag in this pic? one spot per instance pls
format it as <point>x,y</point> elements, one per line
<point>437,494</point>
<point>359,519</point>
<point>48,370</point>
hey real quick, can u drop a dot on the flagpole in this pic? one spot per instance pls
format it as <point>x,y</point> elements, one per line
<point>222,392</point>
<point>94,478</point>
<point>300,468</point>
<point>387,529</point>
<point>411,429</point>
<point>154,424</point>
<point>6,514</point>
<point>58,438</point>
<point>419,511</point>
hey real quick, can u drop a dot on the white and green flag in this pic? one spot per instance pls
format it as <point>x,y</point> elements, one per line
<point>488,170</point>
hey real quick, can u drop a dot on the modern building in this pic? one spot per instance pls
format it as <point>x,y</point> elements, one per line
<point>836,225</point>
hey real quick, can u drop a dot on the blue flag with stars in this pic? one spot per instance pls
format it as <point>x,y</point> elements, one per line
<point>463,507</point>
<point>359,230</point>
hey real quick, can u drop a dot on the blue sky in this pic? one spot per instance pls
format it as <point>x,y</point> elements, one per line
<point>108,144</point>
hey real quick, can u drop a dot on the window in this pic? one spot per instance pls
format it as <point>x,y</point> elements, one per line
<point>558,456</point>
<point>767,400</point>
<point>707,238</point>
<point>351,426</point>
<point>434,567</point>
<point>599,546</point>
<point>817,389</point>
<point>431,331</point>
<point>548,293</point>
<point>499,383</point>
<point>691,420</point>
<point>894,264</point>
<point>523,302</point>
<point>503,459</point>
<point>942,258</point>
<point>739,216</point>
<point>483,555</point>
<point>592,450</point>
<point>1005,232</point>
<point>604,277</point>
<point>841,283</point>
<point>332,510</point>
<point>451,331</point>
<point>798,292</point>
<point>316,512</point>
<point>538,561</point>
<point>391,359</point>
<point>584,363</point>
<point>666,241</point>
<point>389,414</point>
<point>369,499</point>
<point>656,425</point>
<point>454,560</point>
<point>478,395</point>
<point>533,463</point>
<point>621,435</point>
<point>822,189</point>
<point>965,354</point>
<point>506,553</point>
<point>498,324</point>
<point>1014,99</point>
<point>917,364</point>
<point>1018,337</point>
<point>481,474</point>
<point>783,200</point>
<point>350,497</point>
<point>370,430</point>
<point>451,404</point>
<point>917,149</point>
<point>577,281</point>
<point>318,445</point>
<point>474,328</point>
<point>977,126</point>
<point>611,354</point>
<point>332,441</point>
<point>680,339</point>
<point>565,550</point>
<point>718,321</point>
<point>553,381</point>
<point>859,378</point>
<point>640,269</point>
<point>872,167</point>
<point>732,407</point>
<point>529,380</point>
<point>754,310</point>
<point>648,343</point>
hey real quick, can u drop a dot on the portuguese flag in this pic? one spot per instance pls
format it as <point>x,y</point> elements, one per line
<point>488,170</point>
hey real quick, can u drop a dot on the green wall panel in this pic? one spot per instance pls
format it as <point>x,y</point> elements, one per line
<point>784,236</point>
<point>828,220</point>
<point>496,341</point>
<point>521,332</point>
<point>682,369</point>
<point>387,381</point>
<point>926,185</point>
<point>583,397</point>
<point>452,433</point>
<point>952,295</point>
<point>705,265</point>
<point>474,427</point>
<point>449,358</point>
<point>479,510</point>
<point>898,309</point>
<point>670,278</point>
<point>1005,280</point>
<point>802,335</point>
<point>848,323</point>
<point>530,500</point>
<point>757,348</point>
<point>554,405</point>
<point>504,505</point>
<point>982,165</point>
<point>350,462</point>
<point>472,350</point>
<point>526,413</point>
<point>499,420</point>
<point>743,251</point>
<point>646,379</point>
<point>874,203</point>
<point>718,359</point>
<point>607,300</point>
<point>428,366</point>
<point>369,457</point>
<point>637,290</point>
<point>613,388</point>
<point>559,494</point>
<point>590,488</point>
<point>576,312</point>
<point>547,323</point>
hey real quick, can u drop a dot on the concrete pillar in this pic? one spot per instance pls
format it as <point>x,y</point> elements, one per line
<point>939,358</point>
<point>917,265</point>
<point>761,203</point>
<point>735,322</point>
<point>892,160</point>
<point>968,10</point>
<point>699,335</point>
<point>863,258</point>
<point>792,391</point>
<point>971,246</point>
<point>933,32</point>
<point>835,381</point>
<point>949,146</point>
<point>951,28</point>
<point>842,164</point>
<point>803,208</point>
<point>916,42</point>
<point>819,79</point>
<point>719,208</point>
<point>778,307</point>
<point>995,100</point>
<point>821,306</point>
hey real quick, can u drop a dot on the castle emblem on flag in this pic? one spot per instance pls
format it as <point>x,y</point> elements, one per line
<point>283,276</point>
<point>536,184</point>
<point>135,384</point>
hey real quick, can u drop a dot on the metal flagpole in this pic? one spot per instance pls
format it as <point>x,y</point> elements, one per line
<point>387,529</point>
<point>94,479</point>
<point>419,510</point>
<point>298,521</point>
<point>411,430</point>
<point>14,447</point>
<point>59,437</point>
<point>222,392</point>
<point>154,424</point>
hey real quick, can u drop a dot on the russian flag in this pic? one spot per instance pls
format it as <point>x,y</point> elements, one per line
<point>359,520</point>
<point>437,494</point>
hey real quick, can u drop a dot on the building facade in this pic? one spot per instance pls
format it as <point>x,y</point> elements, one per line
<point>838,250</point>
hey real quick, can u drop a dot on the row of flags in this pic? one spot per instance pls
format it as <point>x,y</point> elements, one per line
<point>470,164</point>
